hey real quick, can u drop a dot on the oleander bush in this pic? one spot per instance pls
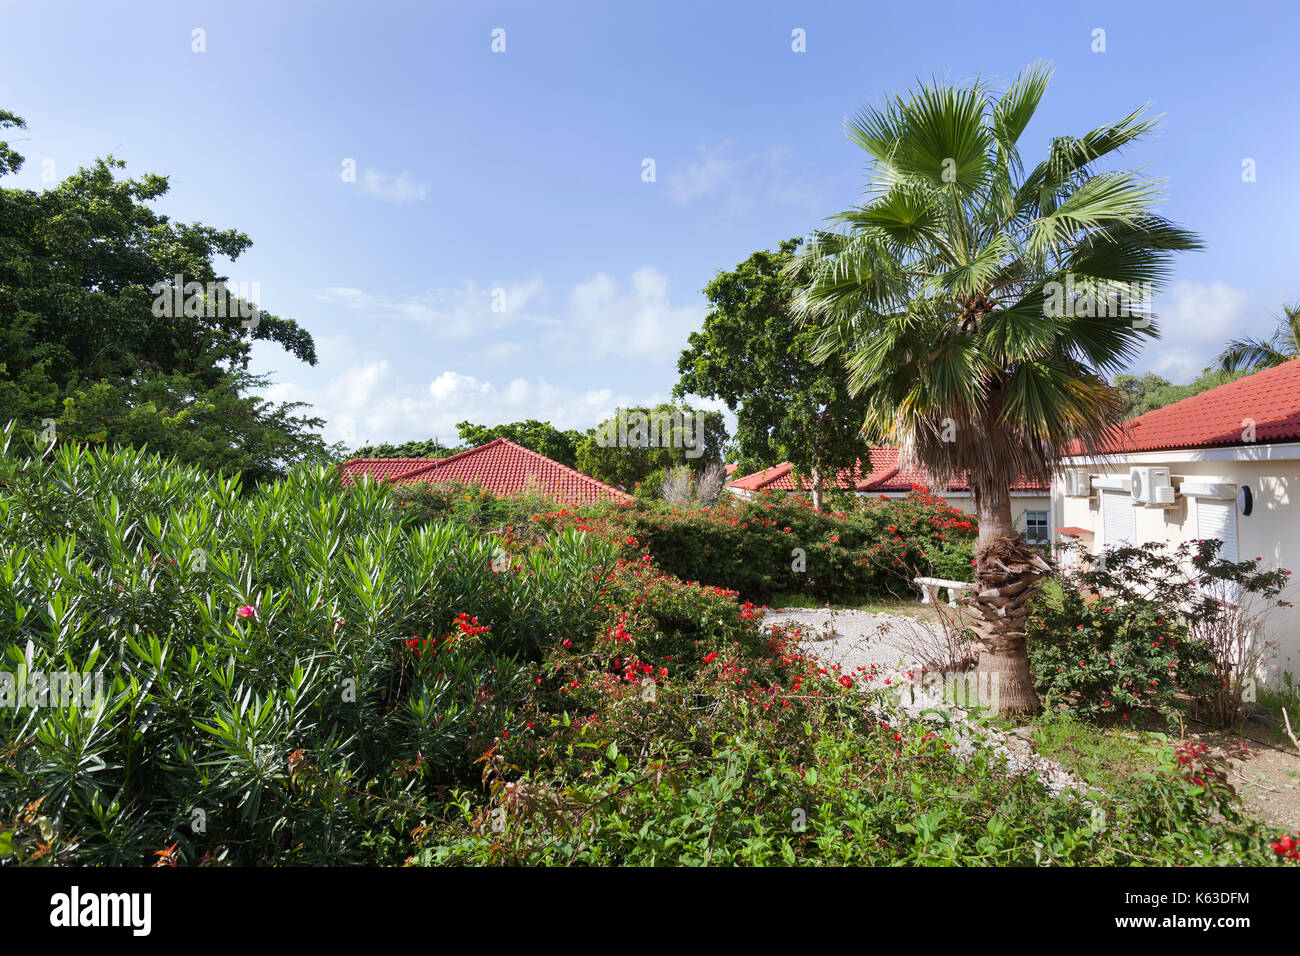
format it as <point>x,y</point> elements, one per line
<point>304,674</point>
<point>232,631</point>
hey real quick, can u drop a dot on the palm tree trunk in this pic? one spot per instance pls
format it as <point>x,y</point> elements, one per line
<point>1006,573</point>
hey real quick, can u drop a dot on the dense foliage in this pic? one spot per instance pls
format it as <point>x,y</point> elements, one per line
<point>751,354</point>
<point>777,544</point>
<point>306,675</point>
<point>1128,634</point>
<point>634,442</point>
<point>82,345</point>
<point>232,632</point>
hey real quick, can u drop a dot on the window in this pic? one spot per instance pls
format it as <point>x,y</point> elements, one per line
<point>1036,527</point>
<point>1218,519</point>
<point>1118,520</point>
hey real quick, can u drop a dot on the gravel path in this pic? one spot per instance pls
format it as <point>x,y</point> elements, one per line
<point>856,640</point>
<point>851,638</point>
<point>1269,782</point>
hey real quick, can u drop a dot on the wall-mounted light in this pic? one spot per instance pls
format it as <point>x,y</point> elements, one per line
<point>1245,500</point>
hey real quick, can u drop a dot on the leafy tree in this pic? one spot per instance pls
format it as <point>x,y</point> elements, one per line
<point>943,296</point>
<point>627,447</point>
<point>1251,354</point>
<point>1150,391</point>
<point>542,437</point>
<point>423,448</point>
<point>752,355</point>
<point>85,268</point>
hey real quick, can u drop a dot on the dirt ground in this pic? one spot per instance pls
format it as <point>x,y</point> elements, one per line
<point>1268,781</point>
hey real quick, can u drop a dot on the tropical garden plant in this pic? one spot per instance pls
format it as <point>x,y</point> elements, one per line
<point>307,675</point>
<point>979,306</point>
<point>1251,354</point>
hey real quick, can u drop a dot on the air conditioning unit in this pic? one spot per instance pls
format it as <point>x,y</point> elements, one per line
<point>1150,485</point>
<point>1078,483</point>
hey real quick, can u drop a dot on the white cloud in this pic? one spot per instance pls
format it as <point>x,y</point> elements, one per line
<point>399,188</point>
<point>762,178</point>
<point>1196,320</point>
<point>357,385</point>
<point>702,178</point>
<point>454,313</point>
<point>606,320</point>
<point>368,403</point>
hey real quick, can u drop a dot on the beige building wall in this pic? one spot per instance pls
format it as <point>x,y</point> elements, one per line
<point>1271,532</point>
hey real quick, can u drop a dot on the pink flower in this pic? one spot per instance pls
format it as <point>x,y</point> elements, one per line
<point>247,611</point>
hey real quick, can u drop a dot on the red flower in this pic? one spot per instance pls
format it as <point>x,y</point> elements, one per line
<point>1288,848</point>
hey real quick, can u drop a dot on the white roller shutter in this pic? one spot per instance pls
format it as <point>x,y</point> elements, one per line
<point>1118,522</point>
<point>1218,519</point>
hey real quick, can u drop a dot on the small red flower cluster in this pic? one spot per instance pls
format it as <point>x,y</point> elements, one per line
<point>465,626</point>
<point>1288,848</point>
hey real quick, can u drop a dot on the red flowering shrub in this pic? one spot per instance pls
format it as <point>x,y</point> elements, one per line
<point>1110,661</point>
<point>1122,639</point>
<point>777,544</point>
<point>1288,848</point>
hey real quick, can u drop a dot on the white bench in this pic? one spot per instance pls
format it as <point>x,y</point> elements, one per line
<point>930,589</point>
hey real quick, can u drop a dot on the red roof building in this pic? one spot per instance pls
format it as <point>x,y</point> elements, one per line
<point>501,467</point>
<point>880,473</point>
<point>1223,464</point>
<point>1221,416</point>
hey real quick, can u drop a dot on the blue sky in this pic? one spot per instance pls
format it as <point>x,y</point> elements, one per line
<point>522,171</point>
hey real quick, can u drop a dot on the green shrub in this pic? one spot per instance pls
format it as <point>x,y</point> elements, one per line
<point>1111,660</point>
<point>468,504</point>
<point>267,692</point>
<point>1128,634</point>
<point>776,544</point>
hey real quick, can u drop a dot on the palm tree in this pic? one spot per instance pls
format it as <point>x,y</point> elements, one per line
<point>1251,355</point>
<point>980,309</point>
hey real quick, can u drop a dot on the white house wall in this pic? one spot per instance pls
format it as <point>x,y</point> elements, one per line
<point>1270,532</point>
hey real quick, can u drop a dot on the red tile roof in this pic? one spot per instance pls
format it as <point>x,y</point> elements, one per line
<point>381,469</point>
<point>1074,531</point>
<point>501,467</point>
<point>782,477</point>
<point>883,473</point>
<point>1218,417</point>
<point>902,478</point>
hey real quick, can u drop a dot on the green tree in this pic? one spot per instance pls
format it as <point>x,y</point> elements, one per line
<point>1150,391</point>
<point>627,447</point>
<point>752,355</point>
<point>419,448</point>
<point>978,308</point>
<point>1250,354</point>
<point>542,437</point>
<point>85,269</point>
